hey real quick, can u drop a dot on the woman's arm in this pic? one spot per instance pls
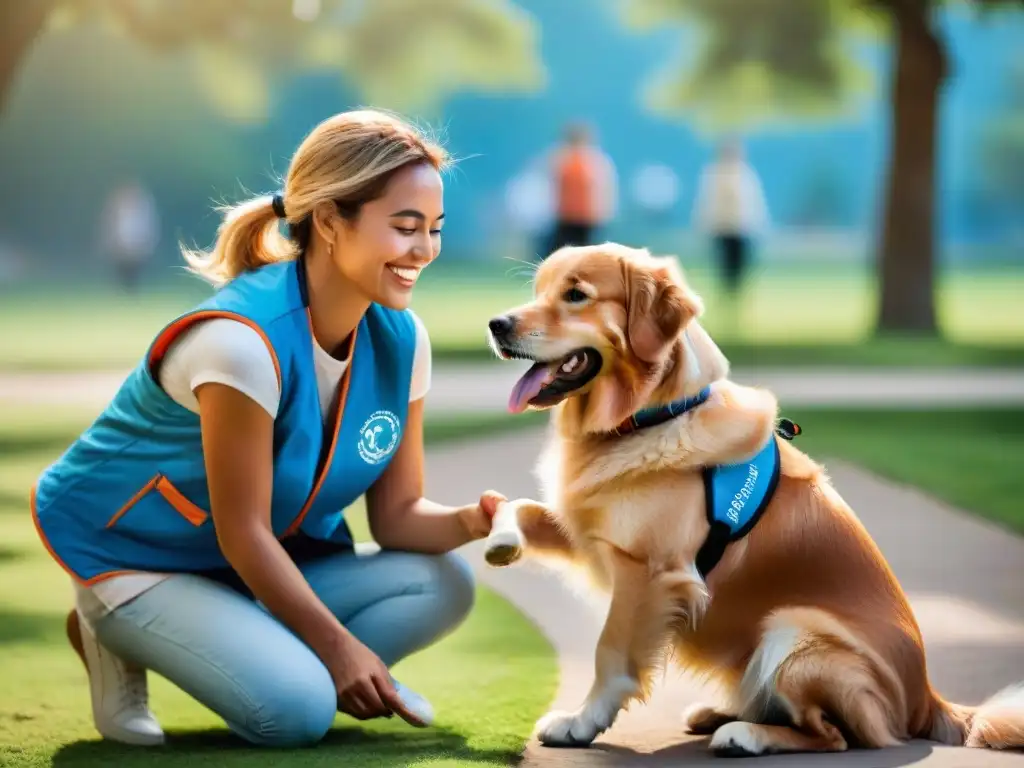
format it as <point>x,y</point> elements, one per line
<point>399,516</point>
<point>237,445</point>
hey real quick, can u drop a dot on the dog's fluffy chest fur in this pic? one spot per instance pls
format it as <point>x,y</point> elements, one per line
<point>642,494</point>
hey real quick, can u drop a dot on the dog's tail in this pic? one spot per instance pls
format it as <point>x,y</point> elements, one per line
<point>997,723</point>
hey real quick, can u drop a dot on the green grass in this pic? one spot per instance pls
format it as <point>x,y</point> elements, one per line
<point>488,681</point>
<point>970,457</point>
<point>790,316</point>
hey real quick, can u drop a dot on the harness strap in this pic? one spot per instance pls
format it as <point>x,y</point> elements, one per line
<point>721,534</point>
<point>713,548</point>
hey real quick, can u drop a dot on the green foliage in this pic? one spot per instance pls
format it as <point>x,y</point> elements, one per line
<point>410,54</point>
<point>765,62</point>
<point>757,61</point>
<point>402,54</point>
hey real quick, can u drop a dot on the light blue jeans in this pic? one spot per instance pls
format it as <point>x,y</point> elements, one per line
<point>228,652</point>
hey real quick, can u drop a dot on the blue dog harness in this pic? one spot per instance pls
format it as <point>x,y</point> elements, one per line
<point>736,495</point>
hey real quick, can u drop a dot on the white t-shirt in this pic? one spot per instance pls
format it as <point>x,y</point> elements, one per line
<point>731,201</point>
<point>229,352</point>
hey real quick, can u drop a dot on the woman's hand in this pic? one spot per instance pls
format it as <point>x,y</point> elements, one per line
<point>477,519</point>
<point>363,683</point>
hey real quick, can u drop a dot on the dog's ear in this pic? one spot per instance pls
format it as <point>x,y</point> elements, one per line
<point>658,306</point>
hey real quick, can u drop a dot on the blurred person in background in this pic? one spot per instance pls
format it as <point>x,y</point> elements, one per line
<point>730,208</point>
<point>131,231</point>
<point>584,189</point>
<point>201,517</point>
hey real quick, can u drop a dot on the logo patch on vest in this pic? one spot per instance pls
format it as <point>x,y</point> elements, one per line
<point>378,436</point>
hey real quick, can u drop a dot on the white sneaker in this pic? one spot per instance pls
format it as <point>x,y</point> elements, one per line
<point>120,696</point>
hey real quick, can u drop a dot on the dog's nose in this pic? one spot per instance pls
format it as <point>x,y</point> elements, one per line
<point>502,326</point>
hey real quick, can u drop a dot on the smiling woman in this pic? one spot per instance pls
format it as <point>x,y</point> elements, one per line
<point>216,480</point>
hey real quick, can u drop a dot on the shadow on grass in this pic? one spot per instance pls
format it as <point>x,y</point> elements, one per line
<point>9,554</point>
<point>695,752</point>
<point>21,627</point>
<point>351,747</point>
<point>13,501</point>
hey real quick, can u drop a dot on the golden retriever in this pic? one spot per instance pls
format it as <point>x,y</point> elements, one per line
<point>801,620</point>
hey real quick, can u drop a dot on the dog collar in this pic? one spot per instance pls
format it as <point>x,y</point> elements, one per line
<point>787,429</point>
<point>659,414</point>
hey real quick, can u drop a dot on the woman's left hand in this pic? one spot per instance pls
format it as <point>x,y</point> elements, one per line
<point>477,519</point>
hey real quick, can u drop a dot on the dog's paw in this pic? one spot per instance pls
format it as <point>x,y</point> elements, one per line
<point>737,739</point>
<point>704,719</point>
<point>572,729</point>
<point>504,547</point>
<point>505,543</point>
<point>579,728</point>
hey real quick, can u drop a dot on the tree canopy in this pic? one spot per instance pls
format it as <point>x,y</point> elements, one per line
<point>407,55</point>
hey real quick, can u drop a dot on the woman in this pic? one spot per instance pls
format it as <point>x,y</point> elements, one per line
<point>200,516</point>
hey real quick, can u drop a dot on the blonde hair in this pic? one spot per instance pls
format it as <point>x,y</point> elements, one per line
<point>347,159</point>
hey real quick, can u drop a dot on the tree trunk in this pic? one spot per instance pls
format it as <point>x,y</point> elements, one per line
<point>906,259</point>
<point>20,22</point>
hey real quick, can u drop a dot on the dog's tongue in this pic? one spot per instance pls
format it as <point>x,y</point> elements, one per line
<point>528,387</point>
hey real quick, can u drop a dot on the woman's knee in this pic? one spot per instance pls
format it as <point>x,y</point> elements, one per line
<point>291,712</point>
<point>454,586</point>
<point>439,593</point>
<point>230,655</point>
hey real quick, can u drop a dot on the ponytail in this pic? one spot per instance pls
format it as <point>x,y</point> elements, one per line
<point>347,160</point>
<point>248,238</point>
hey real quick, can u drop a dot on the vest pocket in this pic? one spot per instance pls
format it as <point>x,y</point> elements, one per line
<point>170,494</point>
<point>181,505</point>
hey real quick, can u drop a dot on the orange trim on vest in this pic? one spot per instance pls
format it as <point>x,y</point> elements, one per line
<point>170,333</point>
<point>191,512</point>
<point>61,563</point>
<point>133,501</point>
<point>338,412</point>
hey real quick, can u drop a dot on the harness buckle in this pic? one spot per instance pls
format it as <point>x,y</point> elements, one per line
<point>787,429</point>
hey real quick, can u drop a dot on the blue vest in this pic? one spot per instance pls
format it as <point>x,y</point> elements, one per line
<point>130,494</point>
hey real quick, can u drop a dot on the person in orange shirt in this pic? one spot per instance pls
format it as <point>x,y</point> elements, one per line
<point>584,187</point>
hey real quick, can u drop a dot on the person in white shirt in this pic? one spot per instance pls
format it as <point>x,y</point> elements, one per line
<point>131,231</point>
<point>731,209</point>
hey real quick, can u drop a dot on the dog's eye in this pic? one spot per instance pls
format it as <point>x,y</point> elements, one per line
<point>574,296</point>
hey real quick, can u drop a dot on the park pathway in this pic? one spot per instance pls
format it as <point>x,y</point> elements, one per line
<point>485,387</point>
<point>963,575</point>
